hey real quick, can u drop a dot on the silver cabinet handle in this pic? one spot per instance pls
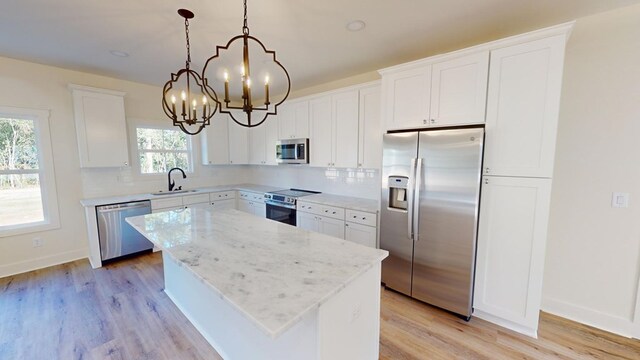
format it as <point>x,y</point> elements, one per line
<point>346,224</point>
<point>334,213</point>
<point>424,121</point>
<point>486,170</point>
<point>433,121</point>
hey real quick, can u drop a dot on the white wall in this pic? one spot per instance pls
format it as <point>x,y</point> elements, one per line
<point>592,264</point>
<point>37,86</point>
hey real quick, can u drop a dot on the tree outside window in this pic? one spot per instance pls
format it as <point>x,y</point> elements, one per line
<point>162,149</point>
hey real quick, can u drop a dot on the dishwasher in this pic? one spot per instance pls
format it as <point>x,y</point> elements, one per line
<point>118,238</point>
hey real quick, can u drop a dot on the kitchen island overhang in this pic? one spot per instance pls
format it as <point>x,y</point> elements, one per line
<point>260,289</point>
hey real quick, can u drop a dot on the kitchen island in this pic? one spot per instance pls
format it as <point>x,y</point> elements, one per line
<point>260,289</point>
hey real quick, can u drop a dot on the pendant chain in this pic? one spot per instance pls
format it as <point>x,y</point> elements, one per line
<point>245,26</point>
<point>186,32</point>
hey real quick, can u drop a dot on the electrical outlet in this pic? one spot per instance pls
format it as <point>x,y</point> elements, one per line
<point>620,200</point>
<point>37,242</point>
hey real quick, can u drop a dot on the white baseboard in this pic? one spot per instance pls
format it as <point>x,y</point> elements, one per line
<point>607,322</point>
<point>41,262</point>
<point>505,323</point>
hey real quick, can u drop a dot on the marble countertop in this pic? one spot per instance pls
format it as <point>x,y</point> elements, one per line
<point>273,273</point>
<point>148,196</point>
<point>348,202</point>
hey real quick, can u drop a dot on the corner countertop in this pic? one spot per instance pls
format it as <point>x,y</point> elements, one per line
<point>348,202</point>
<point>272,273</point>
<point>148,196</point>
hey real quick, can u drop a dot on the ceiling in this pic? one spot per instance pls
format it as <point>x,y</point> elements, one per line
<point>309,36</point>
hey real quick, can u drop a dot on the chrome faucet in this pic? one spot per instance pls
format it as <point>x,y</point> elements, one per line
<point>172,183</point>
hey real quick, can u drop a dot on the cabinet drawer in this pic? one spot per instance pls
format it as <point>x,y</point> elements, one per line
<point>166,203</point>
<point>222,195</point>
<point>310,208</point>
<point>361,217</point>
<point>332,212</point>
<point>248,195</point>
<point>195,199</point>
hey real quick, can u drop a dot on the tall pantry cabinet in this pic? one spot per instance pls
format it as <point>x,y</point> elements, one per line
<point>521,123</point>
<point>512,86</point>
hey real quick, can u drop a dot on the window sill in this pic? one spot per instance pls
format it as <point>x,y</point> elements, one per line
<point>15,230</point>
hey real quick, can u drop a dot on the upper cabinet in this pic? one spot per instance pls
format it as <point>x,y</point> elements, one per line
<point>370,129</point>
<point>100,127</point>
<point>238,144</point>
<point>293,120</point>
<point>215,141</point>
<point>262,143</point>
<point>334,130</point>
<point>446,93</point>
<point>522,108</point>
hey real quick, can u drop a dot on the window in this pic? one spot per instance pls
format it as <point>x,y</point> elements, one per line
<point>159,150</point>
<point>27,187</point>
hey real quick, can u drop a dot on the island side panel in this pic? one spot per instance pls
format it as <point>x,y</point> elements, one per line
<point>230,333</point>
<point>92,231</point>
<point>349,322</point>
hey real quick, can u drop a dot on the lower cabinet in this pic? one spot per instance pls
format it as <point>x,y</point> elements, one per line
<point>320,224</point>
<point>360,234</point>
<point>253,207</point>
<point>512,236</point>
<point>218,205</point>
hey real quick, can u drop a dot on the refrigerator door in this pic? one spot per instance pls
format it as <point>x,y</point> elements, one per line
<point>399,150</point>
<point>449,166</point>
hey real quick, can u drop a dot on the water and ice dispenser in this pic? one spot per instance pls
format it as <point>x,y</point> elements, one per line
<point>398,192</point>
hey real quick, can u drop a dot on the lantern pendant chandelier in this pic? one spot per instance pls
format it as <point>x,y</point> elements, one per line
<point>194,110</point>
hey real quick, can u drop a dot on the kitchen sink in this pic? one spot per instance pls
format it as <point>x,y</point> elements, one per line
<point>172,192</point>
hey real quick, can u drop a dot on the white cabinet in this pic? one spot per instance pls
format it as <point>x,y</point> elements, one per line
<point>360,234</point>
<point>100,127</point>
<point>218,205</point>
<point>522,108</point>
<point>307,221</point>
<point>262,143</point>
<point>328,220</point>
<point>238,146</point>
<point>195,200</point>
<point>445,93</point>
<point>407,98</point>
<point>370,129</point>
<point>334,129</point>
<point>293,120</point>
<point>331,227</point>
<point>252,203</point>
<point>510,254</point>
<point>215,141</point>
<point>459,90</point>
<point>166,204</point>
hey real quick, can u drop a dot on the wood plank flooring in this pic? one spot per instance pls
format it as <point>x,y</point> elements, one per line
<point>120,312</point>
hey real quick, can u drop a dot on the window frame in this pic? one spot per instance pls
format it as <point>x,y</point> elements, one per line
<point>45,171</point>
<point>135,125</point>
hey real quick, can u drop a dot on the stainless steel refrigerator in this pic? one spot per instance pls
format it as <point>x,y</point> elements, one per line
<point>429,214</point>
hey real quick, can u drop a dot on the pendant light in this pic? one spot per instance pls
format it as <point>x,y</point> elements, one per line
<point>185,98</point>
<point>248,86</point>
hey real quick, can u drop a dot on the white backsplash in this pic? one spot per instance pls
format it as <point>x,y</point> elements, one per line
<point>123,181</point>
<point>348,182</point>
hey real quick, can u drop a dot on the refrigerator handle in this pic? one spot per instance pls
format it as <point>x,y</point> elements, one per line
<point>410,189</point>
<point>416,211</point>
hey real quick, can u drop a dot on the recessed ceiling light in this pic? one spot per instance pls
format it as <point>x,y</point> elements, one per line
<point>356,25</point>
<point>119,53</point>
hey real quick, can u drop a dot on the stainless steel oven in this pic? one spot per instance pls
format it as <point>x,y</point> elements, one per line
<point>281,212</point>
<point>293,151</point>
<point>281,204</point>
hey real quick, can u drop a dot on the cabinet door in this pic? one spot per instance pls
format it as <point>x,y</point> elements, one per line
<point>522,108</point>
<point>271,136</point>
<point>100,128</point>
<point>407,98</point>
<point>459,90</point>
<point>344,120</point>
<point>245,205</point>
<point>293,120</point>
<point>360,234</point>
<point>259,209</point>
<point>331,227</point>
<point>321,143</point>
<point>370,129</point>
<point>512,236</point>
<point>257,144</point>
<point>238,147</point>
<point>215,141</point>
<point>223,205</point>
<point>306,221</point>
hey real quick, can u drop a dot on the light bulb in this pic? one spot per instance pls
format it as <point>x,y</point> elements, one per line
<point>266,80</point>
<point>173,99</point>
<point>248,82</point>
<point>194,103</point>
<point>226,76</point>
<point>204,99</point>
<point>183,95</point>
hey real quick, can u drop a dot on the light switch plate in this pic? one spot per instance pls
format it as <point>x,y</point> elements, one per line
<point>619,200</point>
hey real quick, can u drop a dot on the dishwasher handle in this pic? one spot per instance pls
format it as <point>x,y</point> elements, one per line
<point>124,206</point>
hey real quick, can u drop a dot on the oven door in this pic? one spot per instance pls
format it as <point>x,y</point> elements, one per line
<point>281,214</point>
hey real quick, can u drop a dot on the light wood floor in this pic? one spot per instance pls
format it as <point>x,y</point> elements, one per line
<point>120,312</point>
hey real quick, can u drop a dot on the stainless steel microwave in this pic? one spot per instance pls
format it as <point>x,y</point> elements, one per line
<point>292,151</point>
